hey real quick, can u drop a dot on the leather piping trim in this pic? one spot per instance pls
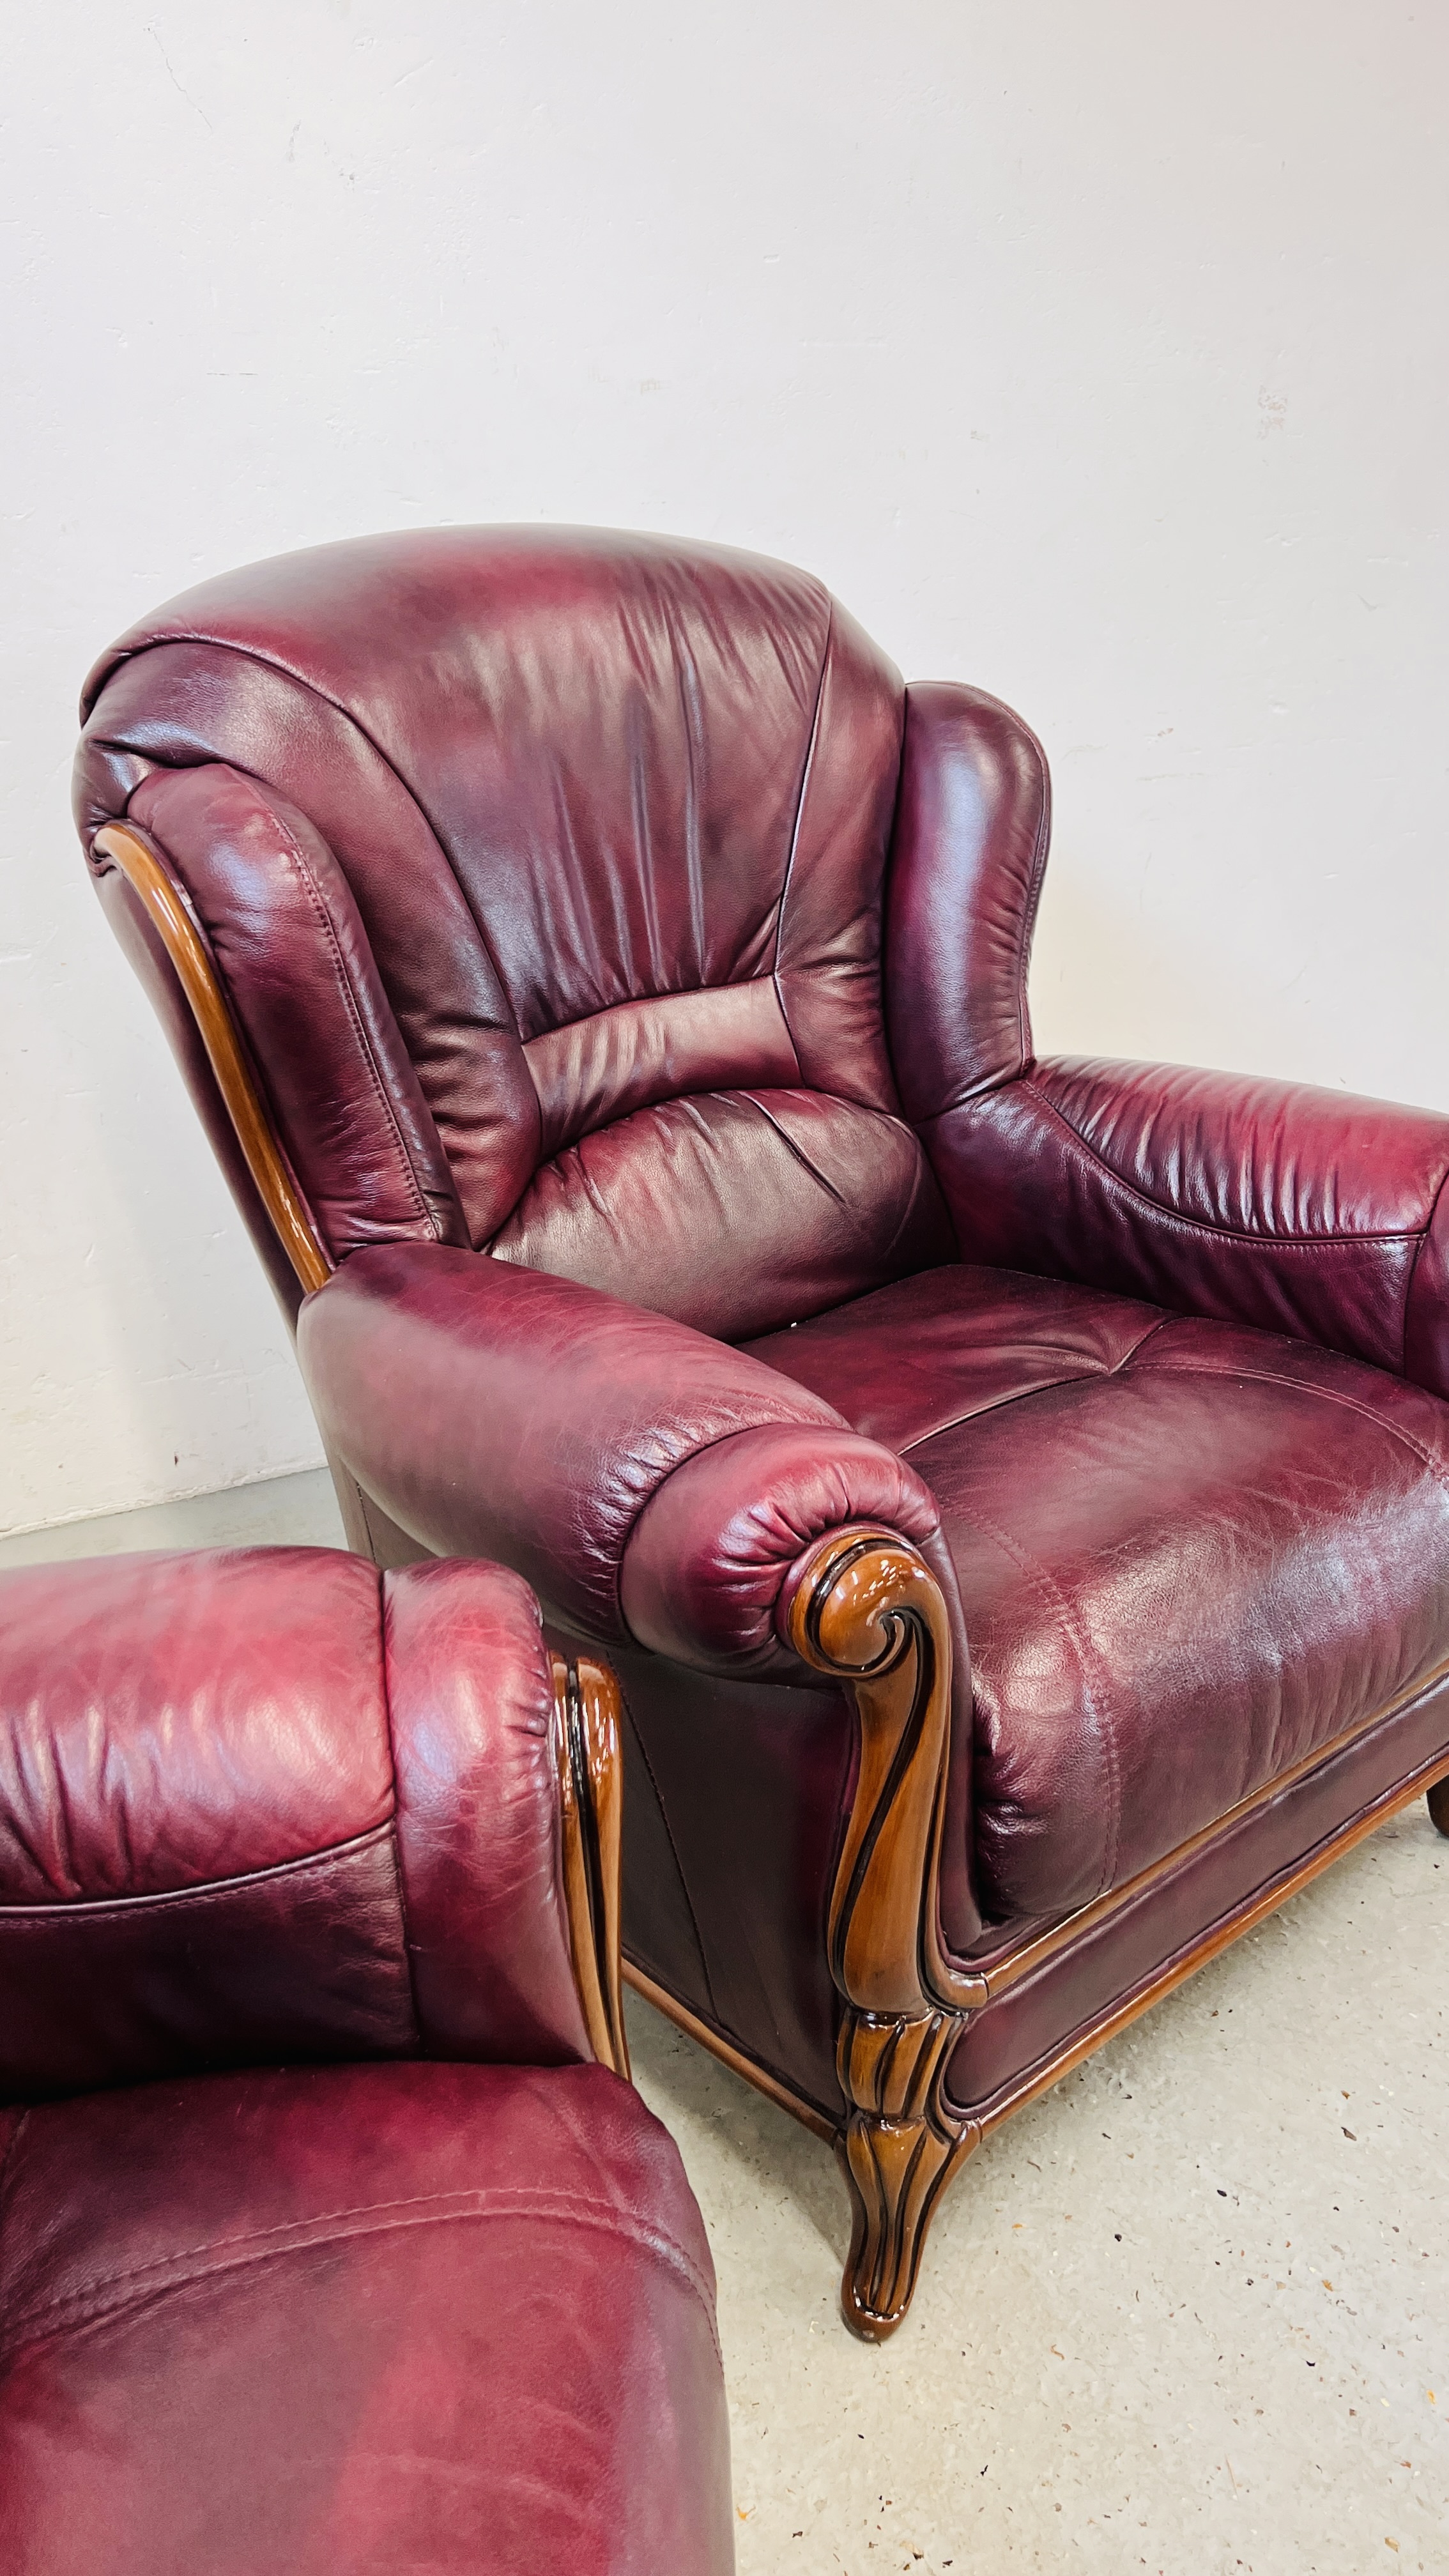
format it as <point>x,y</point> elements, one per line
<point>399,1873</point>
<point>1220,1936</point>
<point>122,844</point>
<point>809,764</point>
<point>69,1909</point>
<point>1038,1948</point>
<point>763,2078</point>
<point>361,1039</point>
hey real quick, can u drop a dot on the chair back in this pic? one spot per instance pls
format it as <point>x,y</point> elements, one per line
<point>543,873</point>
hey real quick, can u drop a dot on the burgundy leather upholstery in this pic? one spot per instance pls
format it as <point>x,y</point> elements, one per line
<point>360,2317</point>
<point>1146,1513</point>
<point>1258,1202</point>
<point>574,849</point>
<point>328,2317</point>
<point>606,906</point>
<point>544,1419</point>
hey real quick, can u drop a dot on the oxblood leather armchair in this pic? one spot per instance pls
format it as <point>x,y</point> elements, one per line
<point>1013,1494</point>
<point>322,2315</point>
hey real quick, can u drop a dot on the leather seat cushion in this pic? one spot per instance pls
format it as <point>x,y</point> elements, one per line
<point>381,2317</point>
<point>1190,1554</point>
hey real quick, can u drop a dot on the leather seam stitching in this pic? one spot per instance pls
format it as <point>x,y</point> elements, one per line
<point>1324,1395</point>
<point>349,998</point>
<point>1027,921</point>
<point>920,1175</point>
<point>1428,1228</point>
<point>685,1100</point>
<point>397,1864</point>
<point>88,2305</point>
<point>6,2162</point>
<point>644,1002</point>
<point>1151,1333</point>
<point>1206,1225</point>
<point>204,1891</point>
<point>569,1137</point>
<point>788,877</point>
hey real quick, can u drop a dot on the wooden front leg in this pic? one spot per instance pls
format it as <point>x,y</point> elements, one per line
<point>869,1611</point>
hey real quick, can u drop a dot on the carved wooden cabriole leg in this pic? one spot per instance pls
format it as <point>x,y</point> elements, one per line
<point>899,2150</point>
<point>1439,1804</point>
<point>588,1756</point>
<point>868,1610</point>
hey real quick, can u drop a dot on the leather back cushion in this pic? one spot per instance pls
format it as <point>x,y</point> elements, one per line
<point>544,870</point>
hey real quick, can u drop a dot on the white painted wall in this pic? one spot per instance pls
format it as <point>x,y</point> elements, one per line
<point>1097,354</point>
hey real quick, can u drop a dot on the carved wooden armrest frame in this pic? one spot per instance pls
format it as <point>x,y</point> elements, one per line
<point>586,1734</point>
<point>589,1760</point>
<point>868,1610</point>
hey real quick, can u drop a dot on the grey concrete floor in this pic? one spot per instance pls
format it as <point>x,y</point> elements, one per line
<point>1188,2313</point>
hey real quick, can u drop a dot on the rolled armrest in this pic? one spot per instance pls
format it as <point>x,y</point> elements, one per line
<point>654,1485</point>
<point>269,1804</point>
<point>498,1411</point>
<point>1268,1203</point>
<point>713,1560</point>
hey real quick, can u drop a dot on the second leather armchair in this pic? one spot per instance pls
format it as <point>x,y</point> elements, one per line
<point>331,2237</point>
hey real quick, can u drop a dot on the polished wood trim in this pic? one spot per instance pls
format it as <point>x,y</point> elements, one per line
<point>155,891</point>
<point>734,2058</point>
<point>868,1611</point>
<point>1000,1974</point>
<point>1245,1918</point>
<point>589,1759</point>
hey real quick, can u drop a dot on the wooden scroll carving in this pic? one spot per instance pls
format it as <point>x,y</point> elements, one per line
<point>588,1756</point>
<point>196,974</point>
<point>869,1611</point>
